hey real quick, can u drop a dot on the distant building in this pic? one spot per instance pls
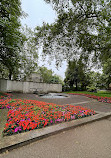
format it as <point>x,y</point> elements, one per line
<point>34,77</point>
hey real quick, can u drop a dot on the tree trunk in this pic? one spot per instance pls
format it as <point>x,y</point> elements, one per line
<point>76,85</point>
<point>10,75</point>
<point>71,85</point>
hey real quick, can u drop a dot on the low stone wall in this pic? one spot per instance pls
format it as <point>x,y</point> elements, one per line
<point>28,87</point>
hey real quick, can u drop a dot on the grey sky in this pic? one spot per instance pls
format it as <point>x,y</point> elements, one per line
<point>38,12</point>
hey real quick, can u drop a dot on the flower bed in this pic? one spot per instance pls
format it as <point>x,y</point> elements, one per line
<point>4,96</point>
<point>100,99</point>
<point>26,115</point>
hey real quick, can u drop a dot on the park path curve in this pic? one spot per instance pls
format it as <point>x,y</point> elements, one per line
<point>72,99</point>
<point>104,115</point>
<point>87,141</point>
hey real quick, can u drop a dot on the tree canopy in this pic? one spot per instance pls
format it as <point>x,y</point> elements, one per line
<point>18,52</point>
<point>107,73</point>
<point>10,35</point>
<point>28,60</point>
<point>49,76</point>
<point>82,27</point>
<point>76,75</point>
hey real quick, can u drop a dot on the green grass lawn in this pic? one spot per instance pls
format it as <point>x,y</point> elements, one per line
<point>99,93</point>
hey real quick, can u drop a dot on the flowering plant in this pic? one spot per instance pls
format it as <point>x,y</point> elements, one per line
<point>4,97</point>
<point>26,115</point>
<point>100,99</point>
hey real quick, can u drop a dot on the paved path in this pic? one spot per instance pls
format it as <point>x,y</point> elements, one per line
<point>88,141</point>
<point>72,99</point>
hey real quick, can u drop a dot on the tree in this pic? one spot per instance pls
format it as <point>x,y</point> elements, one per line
<point>107,73</point>
<point>48,76</point>
<point>82,27</point>
<point>28,62</point>
<point>11,37</point>
<point>18,55</point>
<point>95,81</point>
<point>3,72</point>
<point>56,79</point>
<point>76,74</point>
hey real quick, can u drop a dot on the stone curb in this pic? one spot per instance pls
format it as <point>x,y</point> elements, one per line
<point>15,141</point>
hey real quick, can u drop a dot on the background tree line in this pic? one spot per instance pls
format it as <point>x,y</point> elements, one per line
<point>18,53</point>
<point>80,34</point>
<point>78,77</point>
<point>81,30</point>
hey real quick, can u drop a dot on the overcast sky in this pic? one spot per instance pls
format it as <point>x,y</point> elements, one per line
<point>38,12</point>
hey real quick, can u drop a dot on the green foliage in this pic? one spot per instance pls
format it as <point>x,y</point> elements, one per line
<point>99,93</point>
<point>28,55</point>
<point>91,88</point>
<point>48,76</point>
<point>11,37</point>
<point>100,80</point>
<point>96,81</point>
<point>3,71</point>
<point>82,27</point>
<point>76,75</point>
<point>107,73</point>
<point>19,55</point>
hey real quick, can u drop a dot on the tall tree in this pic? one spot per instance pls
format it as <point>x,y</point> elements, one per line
<point>82,27</point>
<point>48,76</point>
<point>10,35</point>
<point>95,81</point>
<point>76,74</point>
<point>107,73</point>
<point>28,54</point>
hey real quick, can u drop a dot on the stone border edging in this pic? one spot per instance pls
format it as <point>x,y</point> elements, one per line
<point>15,141</point>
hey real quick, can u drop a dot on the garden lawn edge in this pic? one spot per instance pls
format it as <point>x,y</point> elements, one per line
<point>11,142</point>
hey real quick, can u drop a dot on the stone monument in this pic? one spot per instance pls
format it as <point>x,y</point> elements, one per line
<point>34,77</point>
